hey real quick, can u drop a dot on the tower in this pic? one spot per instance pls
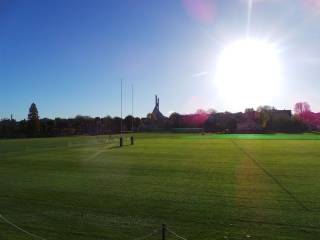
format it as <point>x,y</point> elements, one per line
<point>156,114</point>
<point>157,102</point>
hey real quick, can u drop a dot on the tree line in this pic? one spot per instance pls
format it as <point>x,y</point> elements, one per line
<point>263,119</point>
<point>33,126</point>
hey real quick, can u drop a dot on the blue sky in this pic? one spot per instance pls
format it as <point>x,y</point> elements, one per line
<point>68,56</point>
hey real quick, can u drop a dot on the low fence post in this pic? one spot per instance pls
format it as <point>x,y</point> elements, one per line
<point>163,232</point>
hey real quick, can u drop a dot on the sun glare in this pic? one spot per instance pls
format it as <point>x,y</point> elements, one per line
<point>248,73</point>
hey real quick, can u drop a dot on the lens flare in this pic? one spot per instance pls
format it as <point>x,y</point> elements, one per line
<point>200,10</point>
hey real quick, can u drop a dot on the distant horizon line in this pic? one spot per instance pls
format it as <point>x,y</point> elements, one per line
<point>139,116</point>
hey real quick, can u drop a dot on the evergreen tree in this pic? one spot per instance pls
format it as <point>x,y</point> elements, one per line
<point>33,121</point>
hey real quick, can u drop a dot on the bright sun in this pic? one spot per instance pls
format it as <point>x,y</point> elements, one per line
<point>248,74</point>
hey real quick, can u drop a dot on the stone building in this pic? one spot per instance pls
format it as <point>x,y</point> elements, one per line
<point>285,115</point>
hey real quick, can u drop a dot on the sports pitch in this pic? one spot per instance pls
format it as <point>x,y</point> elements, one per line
<point>200,186</point>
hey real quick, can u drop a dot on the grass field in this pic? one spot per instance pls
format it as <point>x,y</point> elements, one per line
<point>202,187</point>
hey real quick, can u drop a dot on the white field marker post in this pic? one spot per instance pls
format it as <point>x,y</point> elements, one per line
<point>121,143</point>
<point>132,107</point>
<point>132,140</point>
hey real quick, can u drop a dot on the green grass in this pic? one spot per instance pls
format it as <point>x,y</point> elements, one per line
<point>269,136</point>
<point>203,187</point>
